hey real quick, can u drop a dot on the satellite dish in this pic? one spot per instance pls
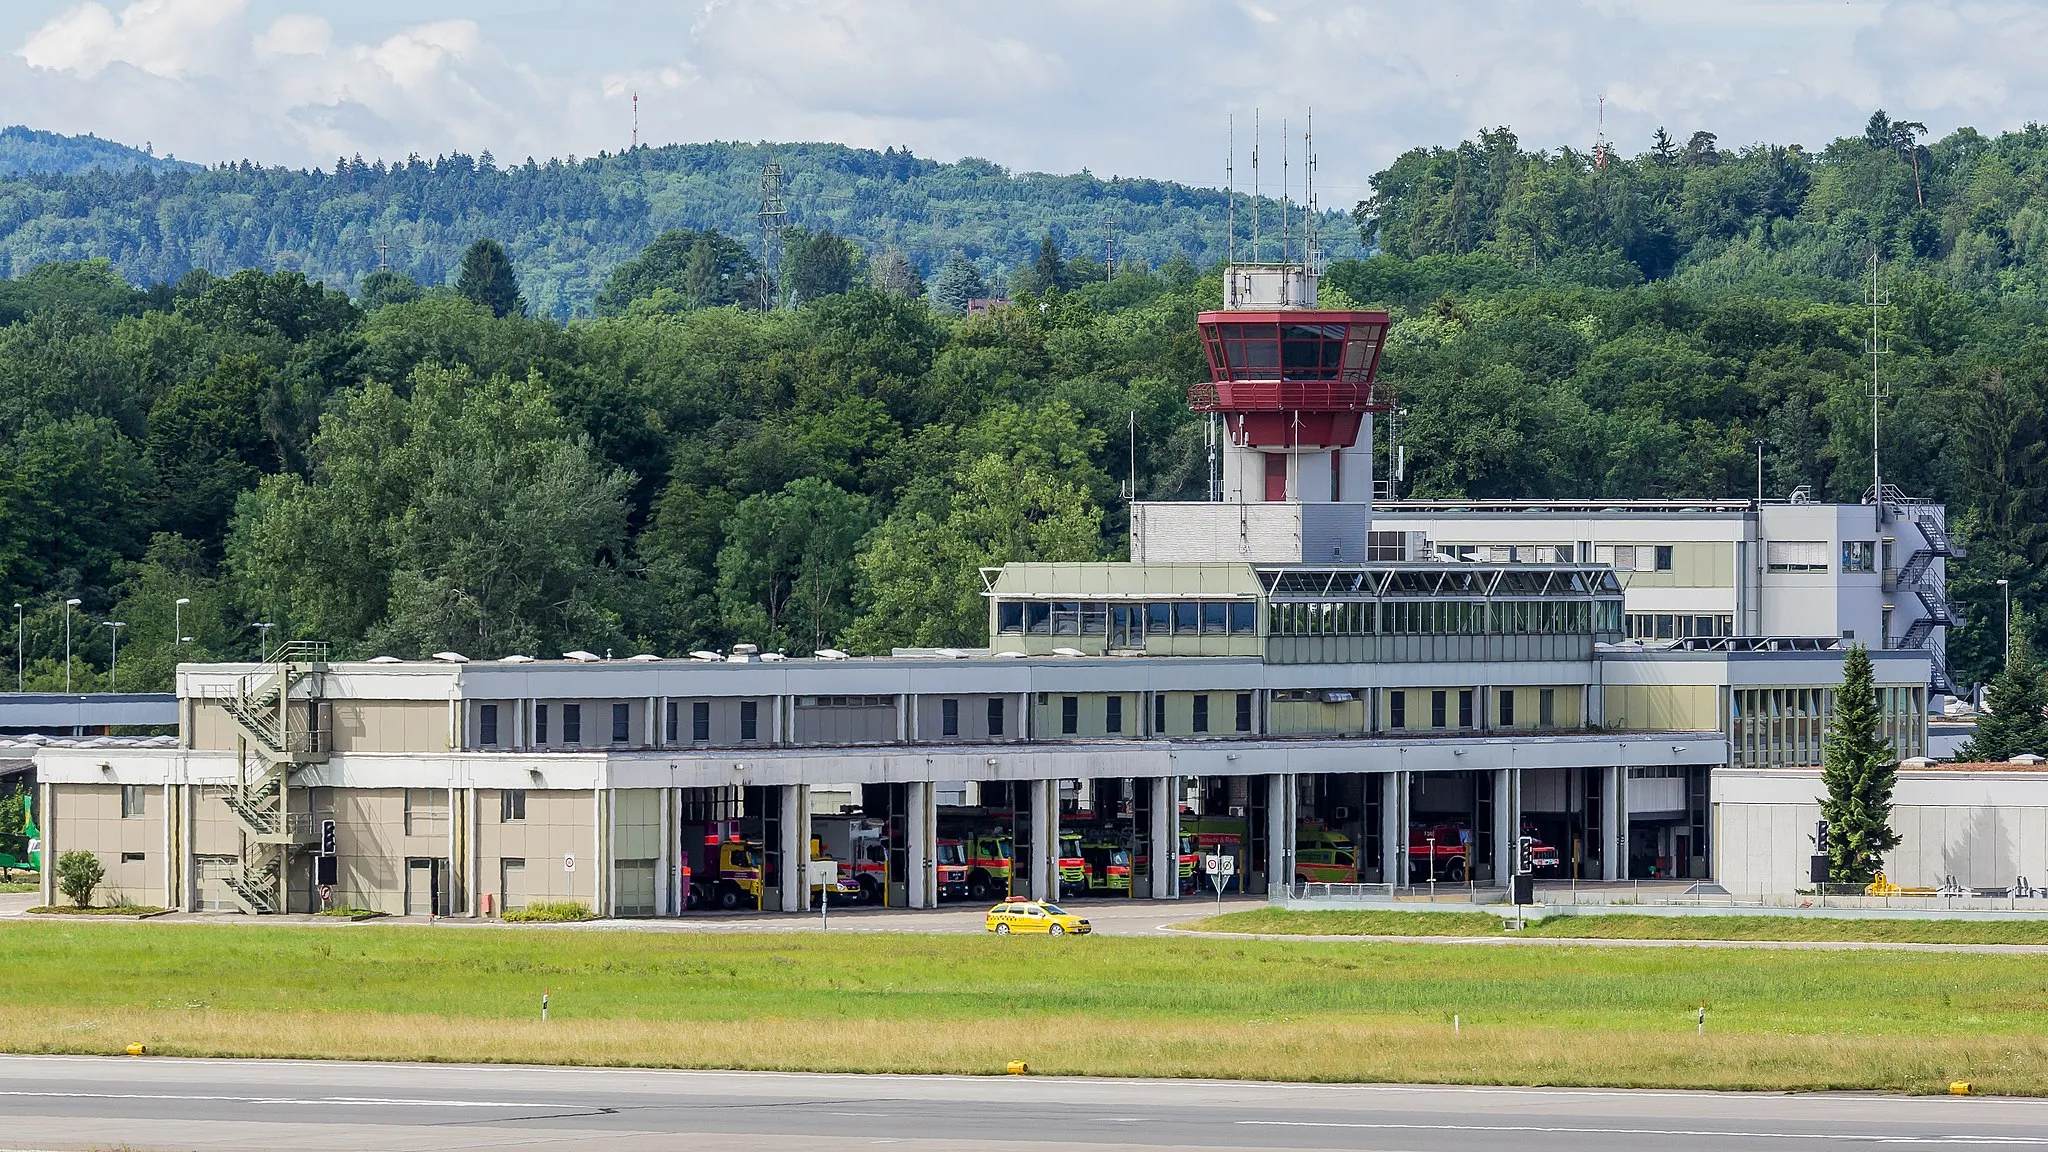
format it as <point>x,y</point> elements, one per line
<point>384,660</point>
<point>581,657</point>
<point>451,657</point>
<point>515,658</point>
<point>832,654</point>
<point>644,658</point>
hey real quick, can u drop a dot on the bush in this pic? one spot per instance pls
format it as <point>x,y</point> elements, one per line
<point>78,873</point>
<point>549,913</point>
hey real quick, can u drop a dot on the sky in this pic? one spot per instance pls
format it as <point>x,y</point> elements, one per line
<point>1117,87</point>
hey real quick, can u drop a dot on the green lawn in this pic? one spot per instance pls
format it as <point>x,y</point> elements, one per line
<point>1094,1005</point>
<point>1276,921</point>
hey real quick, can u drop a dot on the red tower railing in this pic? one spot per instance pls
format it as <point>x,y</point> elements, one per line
<point>1292,378</point>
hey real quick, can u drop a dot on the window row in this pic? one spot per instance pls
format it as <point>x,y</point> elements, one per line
<point>1127,623</point>
<point>1677,626</point>
<point>1452,617</point>
<point>1812,556</point>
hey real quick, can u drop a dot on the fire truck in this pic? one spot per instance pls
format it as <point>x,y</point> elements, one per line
<point>863,854</point>
<point>988,864</point>
<point>952,869</point>
<point>1440,852</point>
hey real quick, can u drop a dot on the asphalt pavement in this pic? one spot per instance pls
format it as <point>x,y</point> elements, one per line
<point>147,1104</point>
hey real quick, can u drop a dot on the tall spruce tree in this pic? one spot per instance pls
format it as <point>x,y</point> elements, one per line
<point>487,279</point>
<point>1859,771</point>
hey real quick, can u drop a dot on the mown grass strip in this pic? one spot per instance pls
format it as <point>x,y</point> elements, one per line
<point>1283,922</point>
<point>1184,1006</point>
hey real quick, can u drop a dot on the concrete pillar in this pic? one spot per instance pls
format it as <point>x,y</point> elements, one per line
<point>1165,800</point>
<point>1507,822</point>
<point>1394,828</point>
<point>1279,833</point>
<point>921,821</point>
<point>664,857</point>
<point>796,846</point>
<point>46,823</point>
<point>1614,824</point>
<point>1045,839</point>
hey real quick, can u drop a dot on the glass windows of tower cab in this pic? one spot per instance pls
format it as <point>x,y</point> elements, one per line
<point>1291,351</point>
<point>1127,623</point>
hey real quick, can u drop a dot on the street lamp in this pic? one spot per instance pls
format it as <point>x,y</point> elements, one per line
<point>68,606</point>
<point>114,653</point>
<point>2006,587</point>
<point>263,641</point>
<point>20,661</point>
<point>178,636</point>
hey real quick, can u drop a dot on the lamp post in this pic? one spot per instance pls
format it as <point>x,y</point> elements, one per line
<point>263,643</point>
<point>114,653</point>
<point>178,636</point>
<point>68,606</point>
<point>2005,586</point>
<point>20,661</point>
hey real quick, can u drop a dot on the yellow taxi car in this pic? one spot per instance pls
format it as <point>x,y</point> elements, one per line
<point>1020,915</point>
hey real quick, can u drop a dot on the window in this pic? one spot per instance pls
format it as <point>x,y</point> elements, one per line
<point>1244,619</point>
<point>1159,713</point>
<point>1386,546</point>
<point>949,717</point>
<point>1507,708</point>
<point>1066,618</point>
<point>1465,708</point>
<point>131,857</point>
<point>540,723</point>
<point>750,719</point>
<point>1859,555</point>
<point>1187,618</point>
<point>487,725</point>
<point>995,715</point>
<point>622,723</point>
<point>1546,708</point>
<point>1009,616</point>
<point>1663,557</point>
<point>426,812</point>
<point>1215,616</point>
<point>1244,711</point>
<point>1038,619</point>
<point>668,722</point>
<point>132,801</point>
<point>1201,723</point>
<point>1796,555</point>
<point>1159,618</point>
<point>1070,715</point>
<point>1397,709</point>
<point>1094,619</point>
<point>572,723</point>
<point>1438,704</point>
<point>700,720</point>
<point>511,805</point>
<point>1113,714</point>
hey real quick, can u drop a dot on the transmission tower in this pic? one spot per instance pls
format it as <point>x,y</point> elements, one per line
<point>774,214</point>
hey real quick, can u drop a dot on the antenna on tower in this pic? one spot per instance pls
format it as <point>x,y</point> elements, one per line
<point>1879,299</point>
<point>636,121</point>
<point>1255,185</point>
<point>383,255</point>
<point>773,215</point>
<point>1600,136</point>
<point>1286,236</point>
<point>1109,248</point>
<point>1230,212</point>
<point>1308,193</point>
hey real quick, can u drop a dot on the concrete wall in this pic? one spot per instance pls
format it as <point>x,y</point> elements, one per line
<point>1661,707</point>
<point>559,823</point>
<point>387,726</point>
<point>131,849</point>
<point>1983,828</point>
<point>972,712</point>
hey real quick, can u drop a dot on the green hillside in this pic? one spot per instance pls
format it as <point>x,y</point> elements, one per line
<point>417,469</point>
<point>567,223</point>
<point>25,151</point>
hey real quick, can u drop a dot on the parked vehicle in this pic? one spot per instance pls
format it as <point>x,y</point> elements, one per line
<point>1323,855</point>
<point>1018,915</point>
<point>1440,852</point>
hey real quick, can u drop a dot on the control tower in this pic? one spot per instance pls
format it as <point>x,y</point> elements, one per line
<point>1293,390</point>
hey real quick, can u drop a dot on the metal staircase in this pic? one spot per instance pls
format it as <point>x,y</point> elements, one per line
<point>1920,576</point>
<point>276,712</point>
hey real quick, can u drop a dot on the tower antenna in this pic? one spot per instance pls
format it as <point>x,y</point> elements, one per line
<point>1230,212</point>
<point>1255,185</point>
<point>1600,136</point>
<point>636,121</point>
<point>1879,299</point>
<point>1286,236</point>
<point>1308,194</point>
<point>773,215</point>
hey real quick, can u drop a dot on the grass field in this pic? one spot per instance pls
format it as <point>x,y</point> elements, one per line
<point>1276,921</point>
<point>1098,1005</point>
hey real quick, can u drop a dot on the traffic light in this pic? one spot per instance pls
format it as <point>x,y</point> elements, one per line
<point>327,838</point>
<point>1820,838</point>
<point>1525,855</point>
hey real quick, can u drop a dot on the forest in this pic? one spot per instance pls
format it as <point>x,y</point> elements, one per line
<point>422,465</point>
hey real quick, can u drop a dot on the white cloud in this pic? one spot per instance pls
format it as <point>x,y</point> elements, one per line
<point>1140,87</point>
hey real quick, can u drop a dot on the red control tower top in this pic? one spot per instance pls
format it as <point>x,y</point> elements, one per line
<point>1295,377</point>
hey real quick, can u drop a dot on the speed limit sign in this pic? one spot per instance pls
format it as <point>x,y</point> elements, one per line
<point>568,863</point>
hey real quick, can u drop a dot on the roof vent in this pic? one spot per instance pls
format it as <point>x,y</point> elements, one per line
<point>773,657</point>
<point>2027,758</point>
<point>582,657</point>
<point>515,658</point>
<point>451,657</point>
<point>1917,762</point>
<point>744,654</point>
<point>1007,655</point>
<point>1068,652</point>
<point>704,656</point>
<point>832,654</point>
<point>384,660</point>
<point>644,658</point>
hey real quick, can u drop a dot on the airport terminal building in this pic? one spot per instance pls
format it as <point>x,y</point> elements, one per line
<point>1322,691</point>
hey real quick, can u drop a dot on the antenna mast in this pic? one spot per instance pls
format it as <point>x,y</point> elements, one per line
<point>1286,235</point>
<point>1600,136</point>
<point>636,121</point>
<point>773,215</point>
<point>1255,185</point>
<point>1878,299</point>
<point>1308,194</point>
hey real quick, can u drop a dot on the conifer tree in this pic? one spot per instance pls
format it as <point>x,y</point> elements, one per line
<point>1859,771</point>
<point>2015,703</point>
<point>487,279</point>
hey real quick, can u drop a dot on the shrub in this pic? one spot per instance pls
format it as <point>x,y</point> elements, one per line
<point>78,873</point>
<point>549,912</point>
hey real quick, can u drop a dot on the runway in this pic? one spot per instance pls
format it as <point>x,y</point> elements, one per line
<point>73,1102</point>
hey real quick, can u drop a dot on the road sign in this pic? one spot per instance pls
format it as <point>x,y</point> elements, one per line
<point>326,895</point>
<point>1209,864</point>
<point>824,873</point>
<point>568,863</point>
